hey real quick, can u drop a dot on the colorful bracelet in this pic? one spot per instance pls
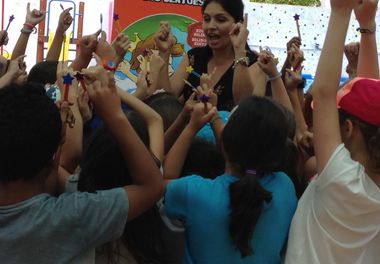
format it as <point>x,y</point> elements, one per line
<point>109,65</point>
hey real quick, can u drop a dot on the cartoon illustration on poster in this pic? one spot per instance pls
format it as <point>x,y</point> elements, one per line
<point>186,30</point>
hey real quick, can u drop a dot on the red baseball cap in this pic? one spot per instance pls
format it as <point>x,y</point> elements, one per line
<point>361,98</point>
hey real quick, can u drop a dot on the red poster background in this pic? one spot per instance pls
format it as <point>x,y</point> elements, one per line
<point>130,11</point>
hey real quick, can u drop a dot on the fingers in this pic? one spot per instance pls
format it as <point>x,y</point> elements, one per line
<point>96,34</point>
<point>235,29</point>
<point>28,8</point>
<point>245,22</point>
<point>97,58</point>
<point>103,36</point>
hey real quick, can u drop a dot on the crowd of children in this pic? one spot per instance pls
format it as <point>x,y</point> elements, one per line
<point>224,161</point>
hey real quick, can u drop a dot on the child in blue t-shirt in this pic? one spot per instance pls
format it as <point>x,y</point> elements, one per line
<point>242,216</point>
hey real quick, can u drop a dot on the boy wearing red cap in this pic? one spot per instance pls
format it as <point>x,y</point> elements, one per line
<point>338,216</point>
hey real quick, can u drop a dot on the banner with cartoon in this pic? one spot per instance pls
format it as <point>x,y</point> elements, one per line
<point>140,19</point>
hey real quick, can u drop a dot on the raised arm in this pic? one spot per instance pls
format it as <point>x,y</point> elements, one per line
<point>147,187</point>
<point>164,42</point>
<point>87,45</point>
<point>14,71</point>
<point>325,115</point>
<point>176,157</point>
<point>242,85</point>
<point>368,64</point>
<point>32,19</point>
<point>72,147</point>
<point>267,64</point>
<point>152,120</point>
<point>65,20</point>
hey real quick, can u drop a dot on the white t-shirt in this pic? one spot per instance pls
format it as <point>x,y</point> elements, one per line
<point>338,217</point>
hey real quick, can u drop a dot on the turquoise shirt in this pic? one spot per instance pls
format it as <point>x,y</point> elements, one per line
<point>205,206</point>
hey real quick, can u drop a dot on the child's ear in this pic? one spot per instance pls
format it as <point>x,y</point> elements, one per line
<point>348,128</point>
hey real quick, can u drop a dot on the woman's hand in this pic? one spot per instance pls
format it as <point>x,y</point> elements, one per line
<point>239,35</point>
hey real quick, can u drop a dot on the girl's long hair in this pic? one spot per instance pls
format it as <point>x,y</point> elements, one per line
<point>254,141</point>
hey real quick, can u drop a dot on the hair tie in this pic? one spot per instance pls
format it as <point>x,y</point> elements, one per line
<point>251,172</point>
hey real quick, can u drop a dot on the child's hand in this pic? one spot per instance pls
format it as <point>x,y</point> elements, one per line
<point>293,79</point>
<point>365,12</point>
<point>142,86</point>
<point>104,50</point>
<point>267,63</point>
<point>67,116</point>
<point>295,56</point>
<point>306,142</point>
<point>190,103</point>
<point>294,41</point>
<point>239,34</point>
<point>84,105</point>
<point>351,51</point>
<point>34,17</point>
<point>156,63</point>
<point>65,20</point>
<point>102,91</point>
<point>121,45</point>
<point>199,117</point>
<point>204,89</point>
<point>87,44</point>
<point>3,38</point>
<point>15,69</point>
<point>164,38</point>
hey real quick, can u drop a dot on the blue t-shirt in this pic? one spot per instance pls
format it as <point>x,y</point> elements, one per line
<point>64,229</point>
<point>205,206</point>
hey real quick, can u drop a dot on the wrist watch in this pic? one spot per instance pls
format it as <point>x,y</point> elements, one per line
<point>243,61</point>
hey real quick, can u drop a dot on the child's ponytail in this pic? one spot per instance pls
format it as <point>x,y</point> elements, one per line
<point>247,197</point>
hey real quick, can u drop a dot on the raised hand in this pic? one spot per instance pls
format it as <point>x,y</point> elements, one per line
<point>204,89</point>
<point>34,17</point>
<point>84,104</point>
<point>239,35</point>
<point>102,90</point>
<point>293,78</point>
<point>295,56</point>
<point>87,44</point>
<point>104,50</point>
<point>294,41</point>
<point>142,87</point>
<point>200,117</point>
<point>164,38</point>
<point>65,20</point>
<point>365,12</point>
<point>121,45</point>
<point>267,63</point>
<point>16,67</point>
<point>3,38</point>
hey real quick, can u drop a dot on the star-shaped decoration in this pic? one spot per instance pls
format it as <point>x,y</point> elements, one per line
<point>79,76</point>
<point>116,17</point>
<point>296,17</point>
<point>11,17</point>
<point>68,79</point>
<point>189,69</point>
<point>204,98</point>
<point>145,53</point>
